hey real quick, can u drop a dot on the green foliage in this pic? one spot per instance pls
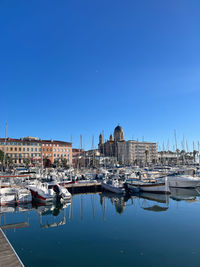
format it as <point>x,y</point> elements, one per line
<point>1,156</point>
<point>8,160</point>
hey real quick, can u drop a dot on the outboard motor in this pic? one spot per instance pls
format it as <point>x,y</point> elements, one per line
<point>57,191</point>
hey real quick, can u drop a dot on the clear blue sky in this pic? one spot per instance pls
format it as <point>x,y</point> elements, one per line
<point>80,67</point>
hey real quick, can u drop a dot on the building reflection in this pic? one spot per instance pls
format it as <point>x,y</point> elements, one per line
<point>54,215</point>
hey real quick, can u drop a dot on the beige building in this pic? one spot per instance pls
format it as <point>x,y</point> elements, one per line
<point>127,152</point>
<point>34,150</point>
<point>21,150</point>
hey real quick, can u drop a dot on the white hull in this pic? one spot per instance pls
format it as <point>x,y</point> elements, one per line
<point>7,196</point>
<point>7,200</point>
<point>113,189</point>
<point>155,188</point>
<point>183,182</point>
<point>43,194</point>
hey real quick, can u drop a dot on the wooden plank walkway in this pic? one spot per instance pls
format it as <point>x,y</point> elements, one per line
<point>8,257</point>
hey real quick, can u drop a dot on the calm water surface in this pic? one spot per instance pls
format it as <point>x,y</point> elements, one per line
<point>105,230</point>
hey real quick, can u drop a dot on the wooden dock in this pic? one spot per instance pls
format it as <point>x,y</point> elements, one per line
<point>86,187</point>
<point>8,256</point>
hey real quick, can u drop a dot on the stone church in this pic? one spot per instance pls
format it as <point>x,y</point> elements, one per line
<point>128,152</point>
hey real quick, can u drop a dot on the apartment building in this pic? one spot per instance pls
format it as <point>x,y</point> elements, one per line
<point>21,150</point>
<point>34,149</point>
<point>56,150</point>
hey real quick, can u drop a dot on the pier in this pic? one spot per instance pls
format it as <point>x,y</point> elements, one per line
<point>88,187</point>
<point>8,256</point>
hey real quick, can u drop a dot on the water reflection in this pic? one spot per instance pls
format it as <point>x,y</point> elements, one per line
<point>118,201</point>
<point>54,210</point>
<point>54,215</point>
<point>189,194</point>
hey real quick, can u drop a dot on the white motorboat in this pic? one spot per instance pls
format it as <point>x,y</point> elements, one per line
<point>23,196</point>
<point>49,191</point>
<point>154,186</point>
<point>113,186</point>
<point>8,196</point>
<point>183,181</point>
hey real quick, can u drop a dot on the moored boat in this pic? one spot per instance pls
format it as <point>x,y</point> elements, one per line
<point>49,191</point>
<point>113,186</point>
<point>154,186</point>
<point>183,181</point>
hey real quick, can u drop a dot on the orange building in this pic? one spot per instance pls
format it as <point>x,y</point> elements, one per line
<point>56,150</point>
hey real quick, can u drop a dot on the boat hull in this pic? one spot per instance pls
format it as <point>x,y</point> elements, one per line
<point>155,188</point>
<point>183,182</point>
<point>113,189</point>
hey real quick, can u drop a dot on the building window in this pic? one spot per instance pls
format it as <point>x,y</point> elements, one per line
<point>43,149</point>
<point>20,149</point>
<point>31,149</point>
<point>51,149</point>
<point>47,149</point>
<point>15,148</point>
<point>11,149</point>
<point>27,149</point>
<point>36,149</point>
<point>54,155</point>
<point>46,144</point>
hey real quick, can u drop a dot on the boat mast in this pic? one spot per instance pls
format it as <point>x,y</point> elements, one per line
<point>176,145</point>
<point>4,155</point>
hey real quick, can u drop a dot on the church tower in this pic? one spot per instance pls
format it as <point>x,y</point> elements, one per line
<point>118,134</point>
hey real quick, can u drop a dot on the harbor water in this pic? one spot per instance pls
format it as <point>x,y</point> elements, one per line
<point>107,230</point>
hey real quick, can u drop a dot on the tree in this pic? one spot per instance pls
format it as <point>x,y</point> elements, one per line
<point>46,162</point>
<point>27,162</point>
<point>1,156</point>
<point>64,163</point>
